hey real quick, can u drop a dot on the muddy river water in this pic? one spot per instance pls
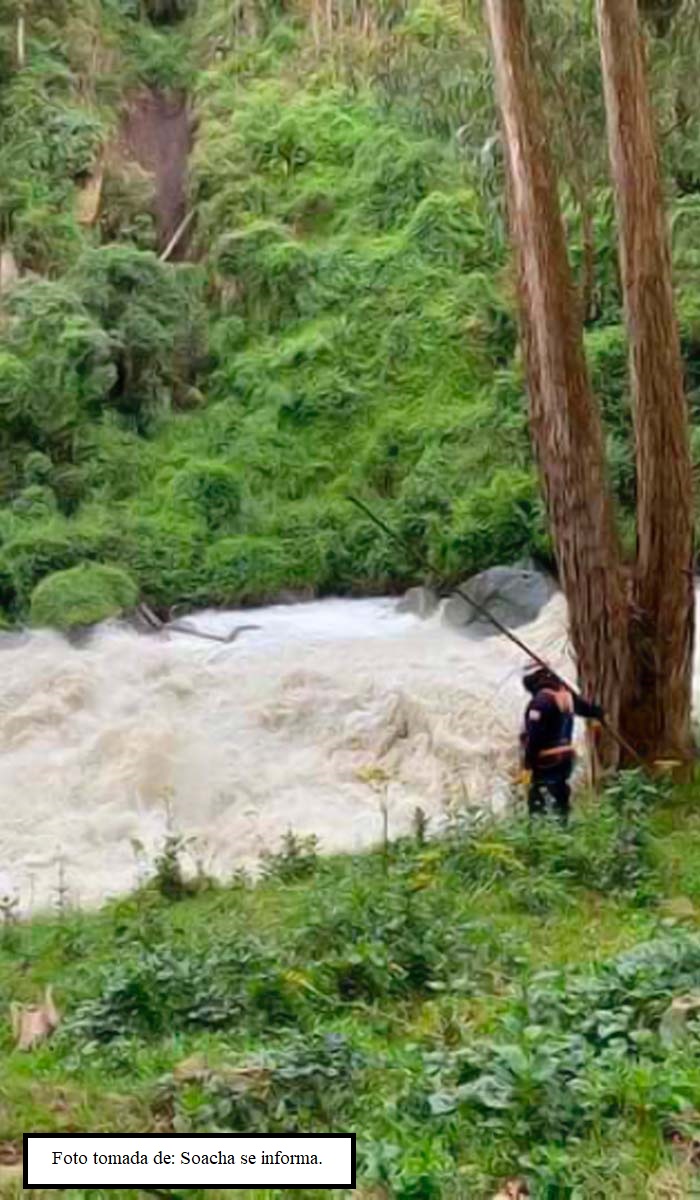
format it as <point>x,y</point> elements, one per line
<point>102,747</point>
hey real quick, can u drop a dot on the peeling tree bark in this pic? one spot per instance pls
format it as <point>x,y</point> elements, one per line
<point>564,417</point>
<point>632,632</point>
<point>656,710</point>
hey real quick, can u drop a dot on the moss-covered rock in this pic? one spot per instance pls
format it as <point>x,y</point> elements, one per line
<point>83,595</point>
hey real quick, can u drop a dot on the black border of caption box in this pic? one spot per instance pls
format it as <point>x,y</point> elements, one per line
<point>226,1187</point>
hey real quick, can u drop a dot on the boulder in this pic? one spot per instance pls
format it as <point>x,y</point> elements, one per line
<point>515,596</point>
<point>300,595</point>
<point>82,596</point>
<point>421,601</point>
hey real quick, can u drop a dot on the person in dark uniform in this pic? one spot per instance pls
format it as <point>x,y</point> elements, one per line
<point>547,739</point>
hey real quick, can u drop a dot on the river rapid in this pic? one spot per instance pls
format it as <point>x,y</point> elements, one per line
<point>106,746</point>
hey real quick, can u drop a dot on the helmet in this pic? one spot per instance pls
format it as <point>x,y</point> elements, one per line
<point>535,677</point>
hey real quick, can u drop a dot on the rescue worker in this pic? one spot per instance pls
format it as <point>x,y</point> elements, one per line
<point>547,739</point>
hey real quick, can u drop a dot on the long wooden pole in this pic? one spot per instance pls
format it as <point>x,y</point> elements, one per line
<point>460,591</point>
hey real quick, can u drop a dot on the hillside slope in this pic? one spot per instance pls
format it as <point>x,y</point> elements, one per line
<point>342,320</point>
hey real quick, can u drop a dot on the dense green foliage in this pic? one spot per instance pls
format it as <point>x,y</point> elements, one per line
<point>81,596</point>
<point>347,323</point>
<point>484,1005</point>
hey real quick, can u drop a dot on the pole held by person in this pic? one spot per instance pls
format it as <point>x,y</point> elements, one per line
<point>534,658</point>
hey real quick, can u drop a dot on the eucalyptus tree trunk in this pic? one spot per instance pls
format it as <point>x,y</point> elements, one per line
<point>564,417</point>
<point>656,708</point>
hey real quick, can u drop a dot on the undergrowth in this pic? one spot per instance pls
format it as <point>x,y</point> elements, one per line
<point>479,1006</point>
<point>347,325</point>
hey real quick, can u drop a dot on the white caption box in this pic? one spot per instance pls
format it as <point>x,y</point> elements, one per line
<point>236,1160</point>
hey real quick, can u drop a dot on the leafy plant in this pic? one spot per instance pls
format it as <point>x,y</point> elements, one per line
<point>162,989</point>
<point>302,1084</point>
<point>168,877</point>
<point>296,859</point>
<point>210,491</point>
<point>562,1054</point>
<point>83,595</point>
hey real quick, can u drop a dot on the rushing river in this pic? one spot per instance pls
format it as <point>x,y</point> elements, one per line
<point>101,747</point>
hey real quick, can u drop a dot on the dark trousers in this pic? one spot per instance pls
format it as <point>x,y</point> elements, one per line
<point>551,782</point>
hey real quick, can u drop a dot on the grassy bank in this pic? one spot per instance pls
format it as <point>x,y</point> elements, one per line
<point>479,1007</point>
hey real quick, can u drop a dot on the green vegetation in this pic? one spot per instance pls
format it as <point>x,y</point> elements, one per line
<point>83,595</point>
<point>345,322</point>
<point>487,1005</point>
<point>351,292</point>
<point>477,1007</point>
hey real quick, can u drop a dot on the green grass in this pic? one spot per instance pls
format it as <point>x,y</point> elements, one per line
<point>477,1007</point>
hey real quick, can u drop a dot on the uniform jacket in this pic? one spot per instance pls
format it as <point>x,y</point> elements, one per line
<point>547,735</point>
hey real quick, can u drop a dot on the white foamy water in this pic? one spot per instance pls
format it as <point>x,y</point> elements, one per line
<point>242,742</point>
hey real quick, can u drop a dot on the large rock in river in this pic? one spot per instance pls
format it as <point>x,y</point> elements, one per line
<point>82,596</point>
<point>421,601</point>
<point>515,596</point>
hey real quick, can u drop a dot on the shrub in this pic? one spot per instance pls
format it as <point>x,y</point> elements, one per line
<point>169,987</point>
<point>303,1083</point>
<point>393,175</point>
<point>36,501</point>
<point>296,859</point>
<point>497,522</point>
<point>245,568</point>
<point>114,461</point>
<point>67,363</point>
<point>609,848</point>
<point>84,595</point>
<point>151,315</point>
<point>74,138</point>
<point>163,552</point>
<point>271,270</point>
<point>125,205</point>
<point>210,491</point>
<point>34,553</point>
<point>446,228</point>
<point>37,468</point>
<point>169,878</point>
<point>238,253</point>
<point>157,61</point>
<point>577,1045</point>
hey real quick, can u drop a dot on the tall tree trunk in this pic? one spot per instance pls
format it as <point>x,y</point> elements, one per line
<point>656,709</point>
<point>564,416</point>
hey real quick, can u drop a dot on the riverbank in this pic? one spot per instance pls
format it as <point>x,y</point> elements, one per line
<point>477,1008</point>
